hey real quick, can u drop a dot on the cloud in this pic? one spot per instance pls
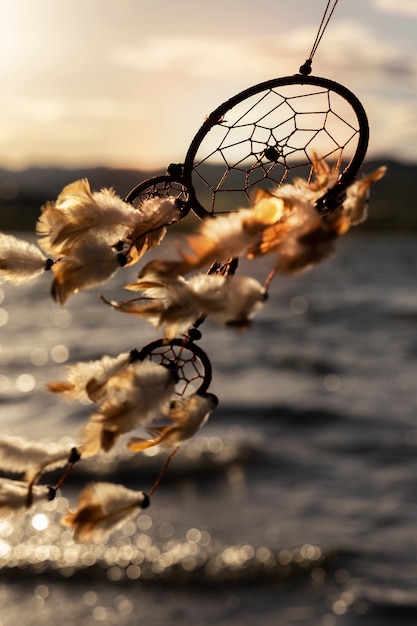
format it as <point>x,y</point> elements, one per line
<point>349,47</point>
<point>204,57</point>
<point>393,128</point>
<point>401,7</point>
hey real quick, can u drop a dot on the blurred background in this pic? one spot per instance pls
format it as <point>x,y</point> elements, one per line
<point>103,85</point>
<point>296,503</point>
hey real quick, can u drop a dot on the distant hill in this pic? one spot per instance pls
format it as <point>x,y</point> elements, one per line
<point>22,193</point>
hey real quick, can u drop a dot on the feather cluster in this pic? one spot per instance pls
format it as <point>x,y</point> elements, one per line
<point>132,397</point>
<point>310,237</point>
<point>80,215</point>
<point>175,303</point>
<point>94,233</point>
<point>186,416</point>
<point>284,222</point>
<point>130,394</point>
<point>126,394</point>
<point>31,459</point>
<point>102,508</point>
<point>89,236</point>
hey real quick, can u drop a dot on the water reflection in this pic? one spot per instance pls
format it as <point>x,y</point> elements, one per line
<point>40,543</point>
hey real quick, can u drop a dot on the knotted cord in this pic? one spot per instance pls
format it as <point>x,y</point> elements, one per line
<point>329,10</point>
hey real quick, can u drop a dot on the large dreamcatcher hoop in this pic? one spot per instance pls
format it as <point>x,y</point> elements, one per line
<point>264,136</point>
<point>269,134</point>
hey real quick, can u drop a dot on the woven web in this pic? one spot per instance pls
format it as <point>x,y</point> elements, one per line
<point>159,186</point>
<point>190,362</point>
<point>270,138</point>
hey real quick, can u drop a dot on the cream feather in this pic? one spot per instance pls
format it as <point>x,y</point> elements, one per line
<point>14,496</point>
<point>230,235</point>
<point>187,415</point>
<point>18,455</point>
<point>355,205</point>
<point>87,380</point>
<point>92,264</point>
<point>134,396</point>
<point>79,213</point>
<point>20,261</point>
<point>176,303</point>
<point>102,508</point>
<point>149,227</point>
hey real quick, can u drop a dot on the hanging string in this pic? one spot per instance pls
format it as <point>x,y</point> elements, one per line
<point>305,69</point>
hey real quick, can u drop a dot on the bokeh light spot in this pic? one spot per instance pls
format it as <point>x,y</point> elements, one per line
<point>39,357</point>
<point>61,318</point>
<point>332,382</point>
<point>25,383</point>
<point>144,522</point>
<point>299,305</point>
<point>40,521</point>
<point>60,353</point>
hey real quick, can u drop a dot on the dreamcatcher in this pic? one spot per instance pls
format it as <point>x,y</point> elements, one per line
<point>271,135</point>
<point>264,136</point>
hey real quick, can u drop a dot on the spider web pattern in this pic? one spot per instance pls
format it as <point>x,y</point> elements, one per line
<point>160,186</point>
<point>268,138</point>
<point>190,362</point>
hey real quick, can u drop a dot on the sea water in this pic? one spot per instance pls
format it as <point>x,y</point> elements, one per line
<point>297,501</point>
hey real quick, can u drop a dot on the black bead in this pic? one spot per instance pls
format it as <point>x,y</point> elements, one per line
<point>194,334</point>
<point>271,154</point>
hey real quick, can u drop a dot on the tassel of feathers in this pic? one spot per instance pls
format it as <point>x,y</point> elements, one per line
<point>134,396</point>
<point>102,508</point>
<point>172,302</point>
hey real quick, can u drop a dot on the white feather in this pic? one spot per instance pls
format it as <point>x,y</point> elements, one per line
<point>102,508</point>
<point>20,261</point>
<point>177,303</point>
<point>187,415</point>
<point>134,396</point>
<point>14,496</point>
<point>231,235</point>
<point>92,264</point>
<point>19,455</point>
<point>87,380</point>
<point>78,213</point>
<point>150,221</point>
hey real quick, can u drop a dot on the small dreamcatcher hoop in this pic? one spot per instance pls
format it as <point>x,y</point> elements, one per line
<point>161,186</point>
<point>189,361</point>
<point>268,134</point>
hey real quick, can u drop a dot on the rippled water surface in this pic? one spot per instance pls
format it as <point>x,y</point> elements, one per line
<point>296,504</point>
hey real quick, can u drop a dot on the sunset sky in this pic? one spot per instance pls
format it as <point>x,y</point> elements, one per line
<point>128,83</point>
